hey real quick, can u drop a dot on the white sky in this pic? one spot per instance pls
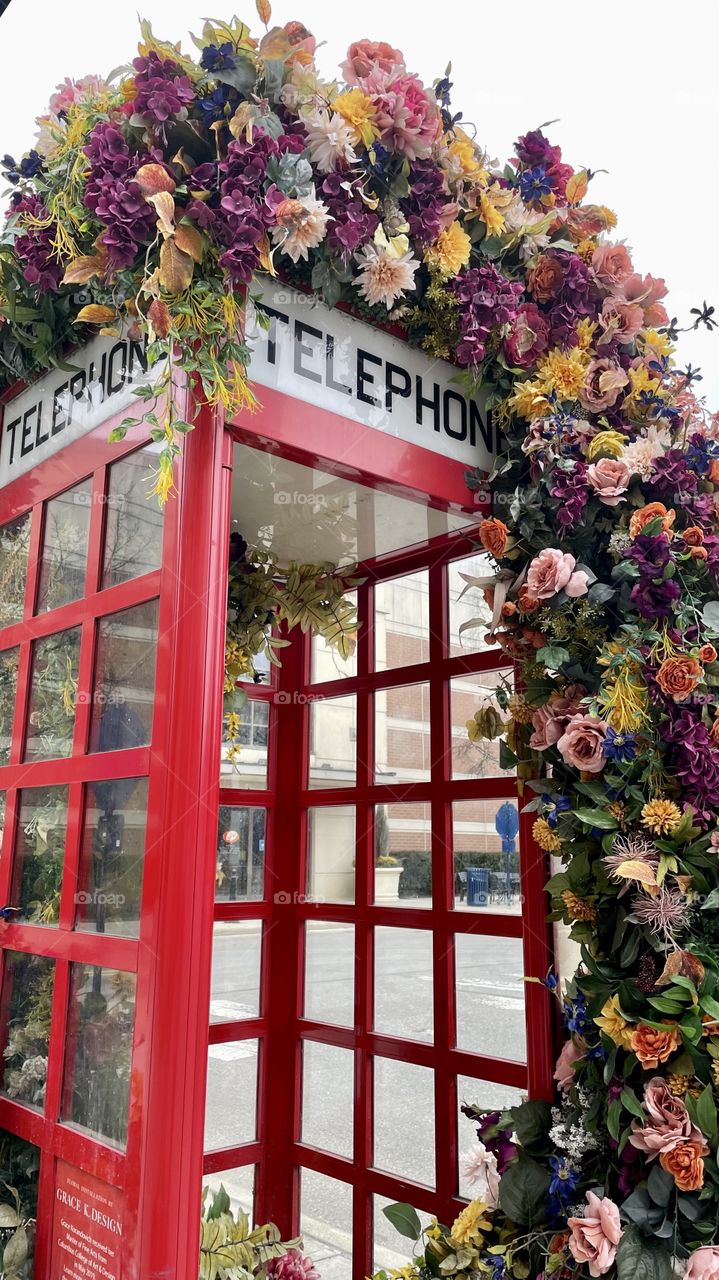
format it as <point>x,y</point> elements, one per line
<point>632,83</point>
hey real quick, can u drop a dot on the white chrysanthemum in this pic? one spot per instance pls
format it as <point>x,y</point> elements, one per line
<point>384,276</point>
<point>301,226</point>
<point>642,453</point>
<point>517,217</point>
<point>479,1167</point>
<point>329,138</point>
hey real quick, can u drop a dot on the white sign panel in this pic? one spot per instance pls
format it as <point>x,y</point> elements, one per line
<point>335,362</point>
<point>64,406</point>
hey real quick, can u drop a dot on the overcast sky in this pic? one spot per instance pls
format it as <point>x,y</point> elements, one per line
<point>632,84</point>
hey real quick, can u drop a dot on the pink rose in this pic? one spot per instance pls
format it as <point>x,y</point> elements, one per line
<point>364,55</point>
<point>594,1238</point>
<point>549,721</point>
<point>703,1264</point>
<point>647,292</point>
<point>604,381</point>
<point>407,113</point>
<point>552,571</point>
<point>668,1122</point>
<point>621,321</point>
<point>609,478</point>
<point>581,743</point>
<point>529,337</point>
<point>612,265</point>
<point>564,1070</point>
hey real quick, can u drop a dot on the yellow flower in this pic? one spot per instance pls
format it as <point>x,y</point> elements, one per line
<point>450,251</point>
<point>358,109</point>
<point>564,372</point>
<point>530,401</point>
<point>490,214</point>
<point>471,1223</point>
<point>613,1024</point>
<point>465,156</point>
<point>640,380</point>
<point>607,443</point>
<point>545,837</point>
<point>585,249</point>
<point>623,700</point>
<point>661,816</point>
<point>578,908</point>
<point>655,343</point>
<point>586,330</point>
<point>609,216</point>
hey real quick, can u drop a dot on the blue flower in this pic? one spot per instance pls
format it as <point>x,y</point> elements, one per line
<point>534,184</point>
<point>553,806</point>
<point>575,1013</point>
<point>551,982</point>
<point>564,1178</point>
<point>213,104</point>
<point>620,747</point>
<point>217,57</point>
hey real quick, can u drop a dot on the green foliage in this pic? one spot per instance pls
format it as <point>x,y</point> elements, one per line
<point>229,1249</point>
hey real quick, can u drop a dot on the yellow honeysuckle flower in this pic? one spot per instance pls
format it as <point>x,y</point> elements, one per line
<point>613,1024</point>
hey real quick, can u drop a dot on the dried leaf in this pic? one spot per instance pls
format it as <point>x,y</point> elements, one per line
<point>243,120</point>
<point>681,964</point>
<point>180,159</point>
<point>275,45</point>
<point>577,187</point>
<point>159,318</point>
<point>635,869</point>
<point>266,255</point>
<point>110,331</point>
<point>164,207</point>
<point>176,268</point>
<point>152,178</point>
<point>190,240</point>
<point>83,269</point>
<point>264,10</point>
<point>94,313</point>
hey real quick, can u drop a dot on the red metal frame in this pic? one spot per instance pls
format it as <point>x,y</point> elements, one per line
<point>160,1171</point>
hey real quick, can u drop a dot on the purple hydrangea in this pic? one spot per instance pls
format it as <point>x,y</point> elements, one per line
<point>671,475</point>
<point>34,247</point>
<point>650,553</point>
<point>354,224</point>
<point>571,490</point>
<point>486,299</point>
<point>160,91</point>
<point>693,760</point>
<point>655,599</point>
<point>425,206</point>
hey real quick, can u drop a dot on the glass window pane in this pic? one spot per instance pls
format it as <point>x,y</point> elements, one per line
<point>14,545</point>
<point>98,1056</point>
<point>401,621</point>
<point>245,736</point>
<point>26,1008</point>
<point>133,535</point>
<point>53,694</point>
<point>239,1185</point>
<point>403,984</point>
<point>64,552</point>
<point>486,855</point>
<point>236,960</point>
<point>391,1250</point>
<point>402,750</point>
<point>327,1094</point>
<point>327,664</point>
<point>9,659</point>
<point>467,605</point>
<point>330,972</point>
<point>231,1101</point>
<point>20,1168</point>
<point>489,978</point>
<point>403,1104</point>
<point>333,742</point>
<point>331,853</point>
<point>326,1223</point>
<point>39,853</point>
<point>403,855</point>
<point>112,857</point>
<point>469,694</point>
<point>240,866</point>
<point>489,1096</point>
<point>124,691</point>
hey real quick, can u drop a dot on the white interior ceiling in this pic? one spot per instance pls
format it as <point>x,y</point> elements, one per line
<point>311,516</point>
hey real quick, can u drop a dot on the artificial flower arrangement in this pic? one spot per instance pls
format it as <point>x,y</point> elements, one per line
<point>159,201</point>
<point>230,1249</point>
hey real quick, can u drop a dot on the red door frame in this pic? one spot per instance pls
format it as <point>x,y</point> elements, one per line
<point>160,1172</point>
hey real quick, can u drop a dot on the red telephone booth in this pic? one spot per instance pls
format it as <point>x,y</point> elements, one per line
<point>283,974</point>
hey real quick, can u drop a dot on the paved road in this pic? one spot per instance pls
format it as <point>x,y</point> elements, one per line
<point>490,1019</point>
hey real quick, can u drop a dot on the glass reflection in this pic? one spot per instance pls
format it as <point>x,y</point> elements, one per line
<point>133,536</point>
<point>53,695</point>
<point>124,693</point>
<point>240,867</point>
<point>64,554</point>
<point>98,1055</point>
<point>14,545</point>
<point>112,857</point>
<point>9,659</point>
<point>39,853</point>
<point>26,1009</point>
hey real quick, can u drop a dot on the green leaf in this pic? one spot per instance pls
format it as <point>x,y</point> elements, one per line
<point>523,1192</point>
<point>614,1118</point>
<point>641,1258</point>
<point>553,656</point>
<point>631,1103</point>
<point>596,818</point>
<point>404,1219</point>
<point>660,1185</point>
<point>532,1121</point>
<point>707,1113</point>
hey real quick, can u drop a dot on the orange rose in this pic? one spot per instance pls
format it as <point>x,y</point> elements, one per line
<point>643,516</point>
<point>527,602</point>
<point>699,553</point>
<point>652,1046</point>
<point>694,536</point>
<point>677,677</point>
<point>685,1165</point>
<point>707,653</point>
<point>493,536</point>
<point>509,609</point>
<point>544,279</point>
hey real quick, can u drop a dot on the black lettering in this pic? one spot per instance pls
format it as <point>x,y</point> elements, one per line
<point>39,437</point>
<point>272,331</point>
<point>330,367</point>
<point>97,378</point>
<point>26,444</point>
<point>138,355</point>
<point>112,386</point>
<point>432,404</point>
<point>77,386</point>
<point>57,425</point>
<point>394,389</point>
<point>484,424</point>
<point>11,428</point>
<point>304,349</point>
<point>456,433</point>
<point>363,376</point>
